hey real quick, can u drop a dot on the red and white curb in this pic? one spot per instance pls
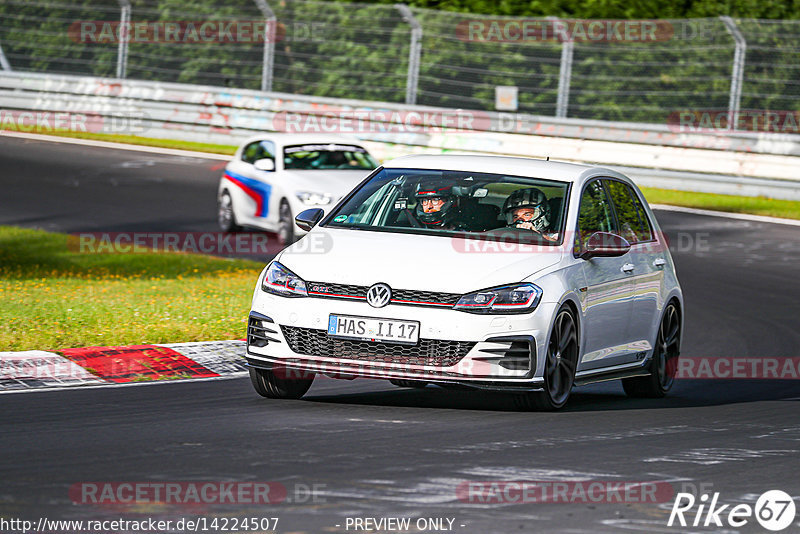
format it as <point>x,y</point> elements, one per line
<point>94,366</point>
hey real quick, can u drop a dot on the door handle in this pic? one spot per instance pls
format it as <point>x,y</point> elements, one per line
<point>659,263</point>
<point>628,268</point>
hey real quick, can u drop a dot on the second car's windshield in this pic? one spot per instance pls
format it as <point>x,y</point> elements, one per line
<point>326,157</point>
<point>446,202</point>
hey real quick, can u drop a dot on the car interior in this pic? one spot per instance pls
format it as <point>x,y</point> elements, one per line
<point>480,209</point>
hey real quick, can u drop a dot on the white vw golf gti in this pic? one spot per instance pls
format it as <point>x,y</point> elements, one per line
<point>498,273</point>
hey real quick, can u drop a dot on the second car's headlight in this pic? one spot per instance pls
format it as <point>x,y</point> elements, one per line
<point>314,199</point>
<point>279,280</point>
<point>517,298</point>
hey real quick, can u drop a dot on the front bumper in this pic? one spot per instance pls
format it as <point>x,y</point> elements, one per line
<point>483,351</point>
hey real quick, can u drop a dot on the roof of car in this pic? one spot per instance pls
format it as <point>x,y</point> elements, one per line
<point>303,139</point>
<point>529,167</point>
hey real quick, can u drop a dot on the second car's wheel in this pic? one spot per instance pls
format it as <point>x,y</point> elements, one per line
<point>559,368</point>
<point>664,363</point>
<point>408,383</point>
<point>285,225</point>
<point>268,384</point>
<point>226,219</point>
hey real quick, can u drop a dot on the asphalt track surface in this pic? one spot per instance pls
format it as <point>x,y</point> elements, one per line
<point>374,450</point>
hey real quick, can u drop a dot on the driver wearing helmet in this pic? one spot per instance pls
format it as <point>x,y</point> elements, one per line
<point>435,204</point>
<point>529,209</point>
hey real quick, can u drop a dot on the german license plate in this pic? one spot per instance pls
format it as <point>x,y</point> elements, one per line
<point>372,329</point>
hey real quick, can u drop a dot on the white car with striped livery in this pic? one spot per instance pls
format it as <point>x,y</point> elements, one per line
<point>273,177</point>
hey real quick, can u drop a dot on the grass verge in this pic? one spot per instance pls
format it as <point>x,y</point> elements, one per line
<point>52,298</point>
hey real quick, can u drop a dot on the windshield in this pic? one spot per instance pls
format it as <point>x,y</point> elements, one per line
<point>469,204</point>
<point>331,156</point>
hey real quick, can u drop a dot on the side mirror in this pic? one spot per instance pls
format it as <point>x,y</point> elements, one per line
<point>308,219</point>
<point>605,245</point>
<point>264,164</point>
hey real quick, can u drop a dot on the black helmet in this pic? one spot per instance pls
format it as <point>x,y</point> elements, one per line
<point>528,198</point>
<point>434,188</point>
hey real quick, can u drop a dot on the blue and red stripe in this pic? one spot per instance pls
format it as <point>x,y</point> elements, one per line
<point>258,191</point>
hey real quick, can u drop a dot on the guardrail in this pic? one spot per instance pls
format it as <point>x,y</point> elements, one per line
<point>738,163</point>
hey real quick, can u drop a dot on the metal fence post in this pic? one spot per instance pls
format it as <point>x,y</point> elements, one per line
<point>268,62</point>
<point>4,64</point>
<point>414,52</point>
<point>564,74</point>
<point>124,33</point>
<point>737,76</point>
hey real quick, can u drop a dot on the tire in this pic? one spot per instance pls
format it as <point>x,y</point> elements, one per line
<point>665,359</point>
<point>560,363</point>
<point>268,384</point>
<point>408,383</point>
<point>226,218</point>
<point>285,225</point>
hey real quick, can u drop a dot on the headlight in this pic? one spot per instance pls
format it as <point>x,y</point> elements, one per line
<point>517,298</point>
<point>279,280</point>
<point>314,199</point>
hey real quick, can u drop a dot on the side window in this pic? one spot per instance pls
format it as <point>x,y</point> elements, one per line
<point>594,214</point>
<point>267,150</point>
<point>646,233</point>
<point>250,153</point>
<point>633,223</point>
<point>258,150</point>
<point>556,212</point>
<point>627,217</point>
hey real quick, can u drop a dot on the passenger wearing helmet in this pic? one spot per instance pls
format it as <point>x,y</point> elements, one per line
<point>529,209</point>
<point>435,204</point>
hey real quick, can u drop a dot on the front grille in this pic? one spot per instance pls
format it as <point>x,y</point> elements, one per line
<point>405,297</point>
<point>433,352</point>
<point>428,297</point>
<point>319,289</point>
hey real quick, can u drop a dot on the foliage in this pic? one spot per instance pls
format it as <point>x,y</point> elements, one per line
<point>361,51</point>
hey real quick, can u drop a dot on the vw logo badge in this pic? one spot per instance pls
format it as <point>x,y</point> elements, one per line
<point>379,295</point>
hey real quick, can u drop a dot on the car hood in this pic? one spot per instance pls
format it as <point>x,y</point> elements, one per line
<point>334,182</point>
<point>406,261</point>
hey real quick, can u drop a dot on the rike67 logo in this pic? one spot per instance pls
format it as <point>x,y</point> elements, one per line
<point>774,510</point>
